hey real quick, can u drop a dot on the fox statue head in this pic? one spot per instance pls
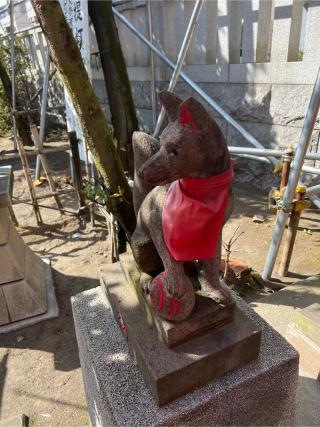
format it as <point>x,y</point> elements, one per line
<point>192,145</point>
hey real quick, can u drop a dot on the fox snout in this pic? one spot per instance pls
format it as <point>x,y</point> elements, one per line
<point>156,170</point>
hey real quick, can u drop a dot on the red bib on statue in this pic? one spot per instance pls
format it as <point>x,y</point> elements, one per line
<point>193,215</point>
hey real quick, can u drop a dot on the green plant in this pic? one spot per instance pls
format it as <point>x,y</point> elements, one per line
<point>5,114</point>
<point>24,81</point>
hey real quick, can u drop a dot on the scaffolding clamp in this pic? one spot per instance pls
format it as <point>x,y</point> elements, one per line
<point>298,204</point>
<point>276,201</point>
<point>286,207</point>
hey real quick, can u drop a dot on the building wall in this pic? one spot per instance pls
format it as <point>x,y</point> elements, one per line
<point>257,59</point>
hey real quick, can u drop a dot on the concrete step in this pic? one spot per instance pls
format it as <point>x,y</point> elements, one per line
<point>309,352</point>
<point>280,310</point>
<point>308,321</point>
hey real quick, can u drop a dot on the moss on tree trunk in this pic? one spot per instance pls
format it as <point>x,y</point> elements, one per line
<point>123,113</point>
<point>21,121</point>
<point>66,56</point>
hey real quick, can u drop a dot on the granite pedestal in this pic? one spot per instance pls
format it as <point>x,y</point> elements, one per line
<point>260,393</point>
<point>173,372</point>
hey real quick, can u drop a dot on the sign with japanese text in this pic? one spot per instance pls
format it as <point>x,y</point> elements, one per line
<point>76,13</point>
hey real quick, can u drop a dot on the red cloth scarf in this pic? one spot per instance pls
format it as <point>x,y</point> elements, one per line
<point>193,215</point>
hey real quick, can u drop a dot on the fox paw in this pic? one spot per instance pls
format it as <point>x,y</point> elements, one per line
<point>222,295</point>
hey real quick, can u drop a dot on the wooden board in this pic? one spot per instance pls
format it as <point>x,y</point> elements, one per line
<point>4,225</point>
<point>22,276</point>
<point>4,315</point>
<point>9,272</point>
<point>16,248</point>
<point>22,301</point>
<point>35,274</point>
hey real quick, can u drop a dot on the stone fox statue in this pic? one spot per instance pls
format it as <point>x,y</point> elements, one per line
<point>182,197</point>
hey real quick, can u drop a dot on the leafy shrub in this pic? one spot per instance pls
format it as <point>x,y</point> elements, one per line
<point>24,80</point>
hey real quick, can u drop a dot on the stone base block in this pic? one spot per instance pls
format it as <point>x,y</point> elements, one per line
<point>173,372</point>
<point>258,394</point>
<point>206,315</point>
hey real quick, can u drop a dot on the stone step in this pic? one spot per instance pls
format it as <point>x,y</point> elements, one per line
<point>308,321</point>
<point>281,308</point>
<point>309,352</point>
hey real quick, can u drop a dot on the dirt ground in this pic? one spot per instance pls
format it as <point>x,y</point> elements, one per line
<point>40,373</point>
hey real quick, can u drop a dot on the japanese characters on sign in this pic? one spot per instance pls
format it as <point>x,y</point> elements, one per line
<point>76,13</point>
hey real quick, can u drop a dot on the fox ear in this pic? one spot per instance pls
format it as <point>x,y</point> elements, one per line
<point>192,113</point>
<point>170,102</point>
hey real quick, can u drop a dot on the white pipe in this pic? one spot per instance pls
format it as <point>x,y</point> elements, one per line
<point>315,200</point>
<point>295,172</point>
<point>13,78</point>
<point>181,57</point>
<point>311,169</point>
<point>43,108</point>
<point>267,152</point>
<point>252,157</point>
<point>152,68</point>
<point>313,190</point>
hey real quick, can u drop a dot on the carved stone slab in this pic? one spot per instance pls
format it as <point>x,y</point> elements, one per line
<point>308,321</point>
<point>171,373</point>
<point>206,315</point>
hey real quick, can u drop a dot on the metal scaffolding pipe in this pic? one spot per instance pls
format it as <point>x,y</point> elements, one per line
<point>192,84</point>
<point>43,108</point>
<point>35,110</point>
<point>181,57</point>
<point>120,2</point>
<point>44,95</point>
<point>267,152</point>
<point>152,68</point>
<point>313,190</point>
<point>24,30</point>
<point>263,158</point>
<point>311,169</point>
<point>252,157</point>
<point>13,78</point>
<point>34,97</point>
<point>301,150</point>
<point>315,200</point>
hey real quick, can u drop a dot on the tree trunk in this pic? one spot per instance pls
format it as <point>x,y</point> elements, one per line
<point>21,121</point>
<point>66,56</point>
<point>123,113</point>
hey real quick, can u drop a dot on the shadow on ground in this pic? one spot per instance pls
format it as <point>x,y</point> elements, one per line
<point>56,336</point>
